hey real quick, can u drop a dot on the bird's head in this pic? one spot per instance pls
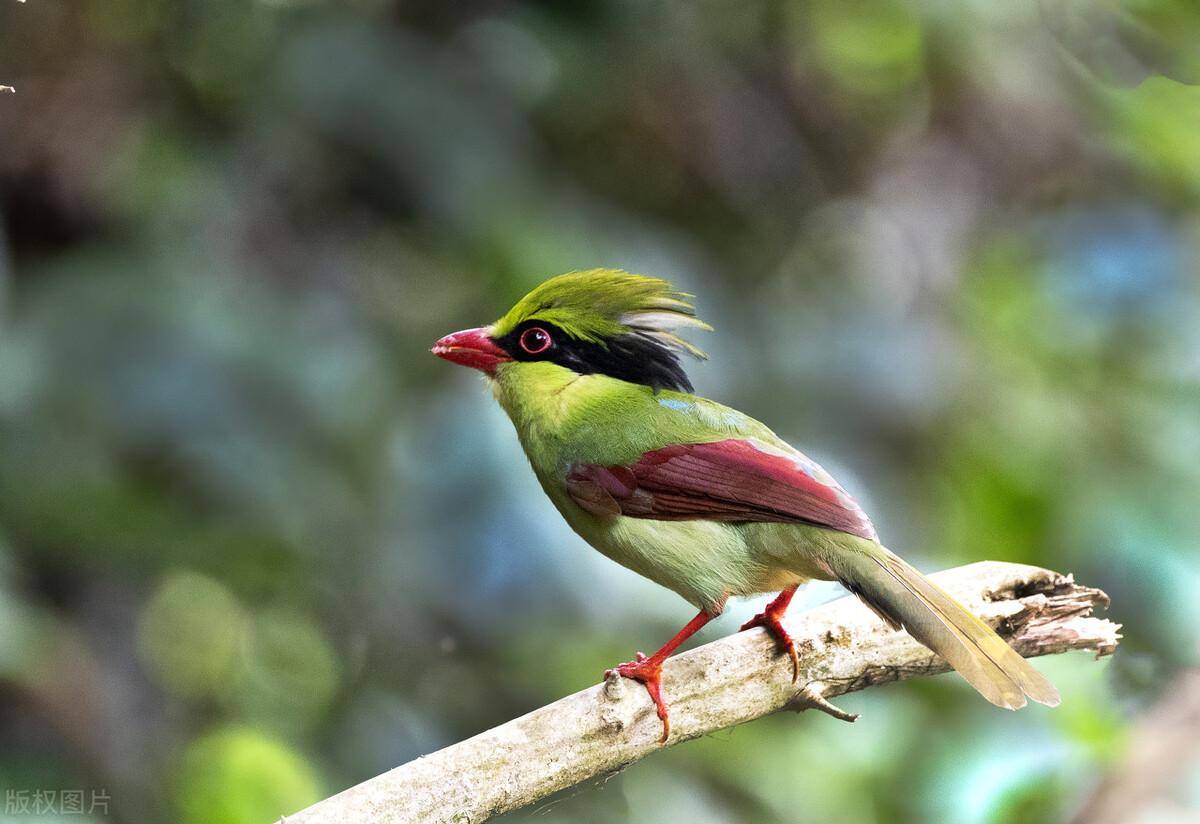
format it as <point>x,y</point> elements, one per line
<point>602,321</point>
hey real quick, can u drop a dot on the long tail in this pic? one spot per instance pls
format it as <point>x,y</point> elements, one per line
<point>903,597</point>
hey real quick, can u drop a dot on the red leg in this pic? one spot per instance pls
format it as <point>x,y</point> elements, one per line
<point>649,670</point>
<point>769,620</point>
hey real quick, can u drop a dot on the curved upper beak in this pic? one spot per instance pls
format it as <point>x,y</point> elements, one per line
<point>473,348</point>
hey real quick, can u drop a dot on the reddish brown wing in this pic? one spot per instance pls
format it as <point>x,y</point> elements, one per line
<point>731,480</point>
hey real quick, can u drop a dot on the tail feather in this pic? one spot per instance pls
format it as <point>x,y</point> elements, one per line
<point>904,597</point>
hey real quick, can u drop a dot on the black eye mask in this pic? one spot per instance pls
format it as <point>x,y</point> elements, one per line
<point>631,357</point>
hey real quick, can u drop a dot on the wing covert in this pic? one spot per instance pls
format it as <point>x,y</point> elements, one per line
<point>731,480</point>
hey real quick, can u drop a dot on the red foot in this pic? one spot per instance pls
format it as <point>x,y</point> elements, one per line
<point>769,620</point>
<point>649,672</point>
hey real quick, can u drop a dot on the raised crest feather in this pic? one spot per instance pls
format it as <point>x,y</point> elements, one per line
<point>598,305</point>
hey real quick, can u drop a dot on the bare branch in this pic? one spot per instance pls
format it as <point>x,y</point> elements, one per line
<point>843,647</point>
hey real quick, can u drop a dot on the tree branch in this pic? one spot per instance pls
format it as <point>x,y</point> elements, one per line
<point>843,648</point>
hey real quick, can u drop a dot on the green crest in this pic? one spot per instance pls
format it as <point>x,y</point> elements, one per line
<point>599,304</point>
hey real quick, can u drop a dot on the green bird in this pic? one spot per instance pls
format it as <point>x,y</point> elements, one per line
<point>697,497</point>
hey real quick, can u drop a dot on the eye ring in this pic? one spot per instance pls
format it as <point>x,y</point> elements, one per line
<point>535,340</point>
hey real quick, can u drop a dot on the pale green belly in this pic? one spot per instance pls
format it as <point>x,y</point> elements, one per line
<point>704,561</point>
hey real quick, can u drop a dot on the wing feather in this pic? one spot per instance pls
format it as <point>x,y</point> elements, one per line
<point>739,479</point>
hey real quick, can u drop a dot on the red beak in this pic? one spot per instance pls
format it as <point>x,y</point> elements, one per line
<point>473,348</point>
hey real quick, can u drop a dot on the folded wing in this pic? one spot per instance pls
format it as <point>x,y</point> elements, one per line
<point>730,480</point>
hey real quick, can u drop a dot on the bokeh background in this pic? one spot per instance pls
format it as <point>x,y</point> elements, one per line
<point>256,544</point>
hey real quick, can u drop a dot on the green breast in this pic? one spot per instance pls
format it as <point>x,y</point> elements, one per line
<point>564,418</point>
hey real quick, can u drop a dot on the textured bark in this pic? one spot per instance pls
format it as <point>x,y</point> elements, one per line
<point>843,648</point>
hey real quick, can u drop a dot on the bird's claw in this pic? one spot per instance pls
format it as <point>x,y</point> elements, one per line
<point>649,673</point>
<point>619,669</point>
<point>768,620</point>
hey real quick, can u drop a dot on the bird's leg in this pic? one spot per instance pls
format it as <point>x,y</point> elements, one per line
<point>768,619</point>
<point>649,670</point>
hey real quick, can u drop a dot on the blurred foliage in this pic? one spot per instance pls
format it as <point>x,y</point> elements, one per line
<point>191,631</point>
<point>1158,121</point>
<point>256,544</point>
<point>237,775</point>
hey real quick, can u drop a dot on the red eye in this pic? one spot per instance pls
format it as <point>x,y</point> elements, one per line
<point>535,340</point>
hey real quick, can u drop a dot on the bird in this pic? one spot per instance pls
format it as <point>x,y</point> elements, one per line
<point>698,497</point>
